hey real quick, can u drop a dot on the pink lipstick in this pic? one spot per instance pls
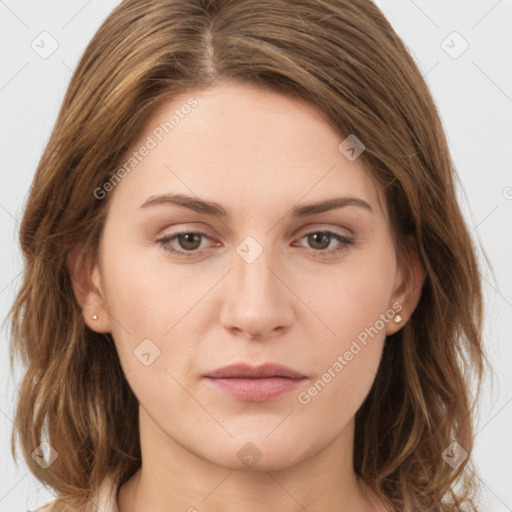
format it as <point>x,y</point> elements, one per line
<point>255,383</point>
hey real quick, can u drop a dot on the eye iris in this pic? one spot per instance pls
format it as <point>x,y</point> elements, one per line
<point>190,238</point>
<point>320,238</point>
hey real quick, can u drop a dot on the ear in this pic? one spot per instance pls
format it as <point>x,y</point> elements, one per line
<point>85,280</point>
<point>407,286</point>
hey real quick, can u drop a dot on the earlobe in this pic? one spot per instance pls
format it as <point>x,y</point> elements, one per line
<point>408,286</point>
<point>85,280</point>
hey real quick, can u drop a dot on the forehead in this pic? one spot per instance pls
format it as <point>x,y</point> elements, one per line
<point>241,144</point>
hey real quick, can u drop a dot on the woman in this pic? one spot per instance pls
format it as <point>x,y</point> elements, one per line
<point>248,282</point>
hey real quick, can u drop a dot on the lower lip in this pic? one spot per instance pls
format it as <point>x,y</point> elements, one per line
<point>256,390</point>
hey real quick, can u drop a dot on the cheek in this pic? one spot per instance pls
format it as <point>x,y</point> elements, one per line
<point>352,298</point>
<point>155,308</point>
<point>151,299</point>
<point>354,309</point>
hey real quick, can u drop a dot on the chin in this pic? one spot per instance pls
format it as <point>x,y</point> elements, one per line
<point>259,453</point>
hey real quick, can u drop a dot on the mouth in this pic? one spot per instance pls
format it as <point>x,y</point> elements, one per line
<point>255,384</point>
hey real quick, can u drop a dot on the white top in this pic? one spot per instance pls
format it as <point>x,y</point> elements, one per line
<point>105,499</point>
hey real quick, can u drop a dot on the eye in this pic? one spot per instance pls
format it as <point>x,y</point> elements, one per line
<point>188,242</point>
<point>321,243</point>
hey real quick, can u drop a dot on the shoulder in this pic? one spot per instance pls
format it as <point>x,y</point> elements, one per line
<point>104,499</point>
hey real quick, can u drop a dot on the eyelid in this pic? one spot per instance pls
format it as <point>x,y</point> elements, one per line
<point>304,230</point>
<point>344,243</point>
<point>326,226</point>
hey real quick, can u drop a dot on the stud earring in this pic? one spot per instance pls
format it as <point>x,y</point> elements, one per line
<point>95,317</point>
<point>398,319</point>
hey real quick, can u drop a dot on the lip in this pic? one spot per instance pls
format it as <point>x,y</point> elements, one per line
<point>255,383</point>
<point>247,371</point>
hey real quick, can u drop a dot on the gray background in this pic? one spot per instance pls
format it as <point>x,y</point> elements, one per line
<point>473,91</point>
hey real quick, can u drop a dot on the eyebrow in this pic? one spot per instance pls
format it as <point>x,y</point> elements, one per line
<point>216,210</point>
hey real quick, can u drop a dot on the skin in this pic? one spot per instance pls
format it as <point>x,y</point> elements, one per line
<point>258,154</point>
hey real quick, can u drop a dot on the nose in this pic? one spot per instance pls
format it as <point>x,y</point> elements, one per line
<point>257,303</point>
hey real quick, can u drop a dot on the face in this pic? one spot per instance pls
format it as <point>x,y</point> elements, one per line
<point>246,271</point>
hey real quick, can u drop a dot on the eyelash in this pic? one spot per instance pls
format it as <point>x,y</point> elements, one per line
<point>324,253</point>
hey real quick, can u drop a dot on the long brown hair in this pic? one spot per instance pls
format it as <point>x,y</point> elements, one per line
<point>342,56</point>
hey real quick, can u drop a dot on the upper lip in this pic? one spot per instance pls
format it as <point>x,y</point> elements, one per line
<point>254,372</point>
